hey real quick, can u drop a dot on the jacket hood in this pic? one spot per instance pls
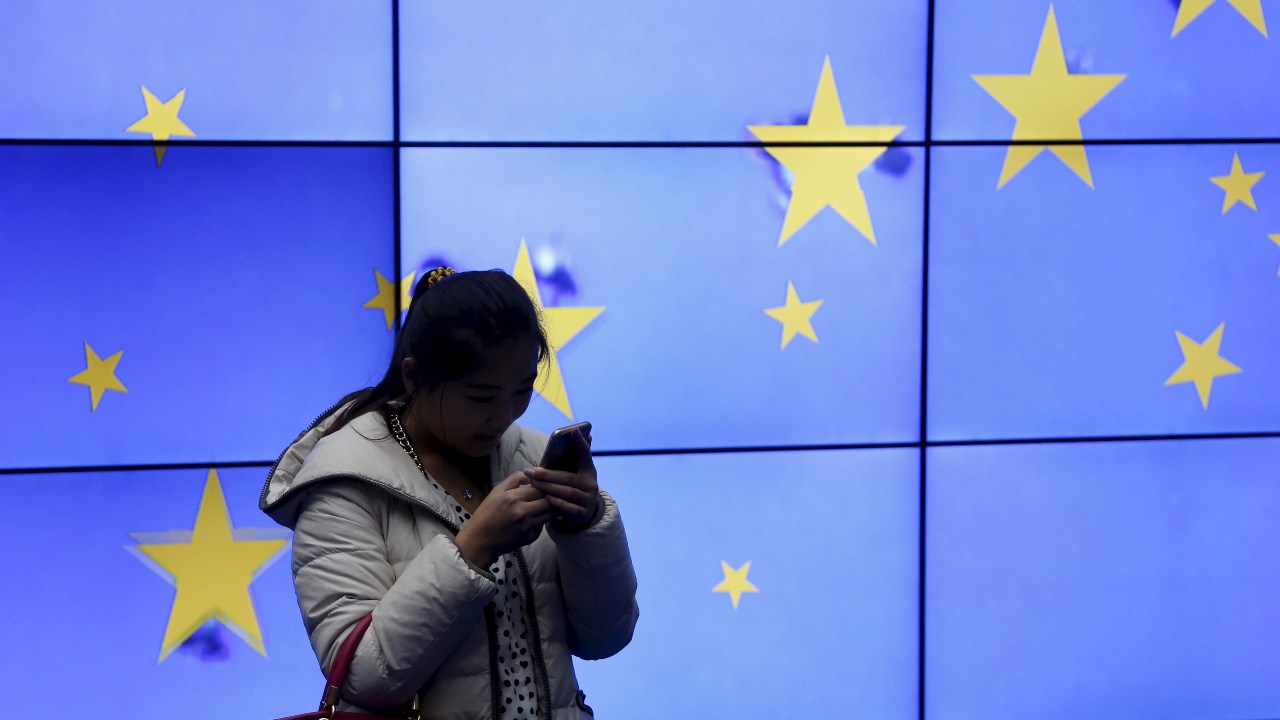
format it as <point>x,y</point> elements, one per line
<point>365,450</point>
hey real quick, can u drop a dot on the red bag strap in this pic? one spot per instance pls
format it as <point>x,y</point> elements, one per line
<point>342,664</point>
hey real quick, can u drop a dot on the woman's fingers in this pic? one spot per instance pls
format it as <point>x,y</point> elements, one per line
<point>567,493</point>
<point>584,481</point>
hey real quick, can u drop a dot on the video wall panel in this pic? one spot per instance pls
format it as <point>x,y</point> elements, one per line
<point>199,312</point>
<point>705,332</point>
<point>761,573</point>
<point>573,70</point>
<point>89,599</point>
<point>234,70</point>
<point>1131,71</point>
<point>1142,306</point>
<point>1131,579</point>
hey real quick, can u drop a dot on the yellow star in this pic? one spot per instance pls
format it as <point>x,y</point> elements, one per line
<point>100,375</point>
<point>826,176</point>
<point>1048,105</point>
<point>385,300</point>
<point>735,582</point>
<point>1189,10</point>
<point>1201,364</point>
<point>562,325</point>
<point>212,573</point>
<point>1275,239</point>
<point>795,316</point>
<point>162,120</point>
<point>1239,185</point>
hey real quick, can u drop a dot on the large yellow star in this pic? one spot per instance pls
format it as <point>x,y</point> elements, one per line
<point>1048,105</point>
<point>795,316</point>
<point>1189,10</point>
<point>562,324</point>
<point>735,582</point>
<point>212,573</point>
<point>1202,362</point>
<point>1238,185</point>
<point>826,176</point>
<point>162,120</point>
<point>385,300</point>
<point>99,375</point>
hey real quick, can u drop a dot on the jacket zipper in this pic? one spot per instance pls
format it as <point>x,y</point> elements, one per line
<point>491,626</point>
<point>540,664</point>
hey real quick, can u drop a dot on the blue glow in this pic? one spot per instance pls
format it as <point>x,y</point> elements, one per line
<point>1214,80</point>
<point>579,70</point>
<point>231,278</point>
<point>1054,308</point>
<point>1103,580</point>
<point>680,247</point>
<point>279,70</point>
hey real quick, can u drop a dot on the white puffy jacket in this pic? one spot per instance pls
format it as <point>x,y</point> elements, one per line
<point>369,538</point>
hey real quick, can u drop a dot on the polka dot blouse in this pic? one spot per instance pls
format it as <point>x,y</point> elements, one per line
<point>518,696</point>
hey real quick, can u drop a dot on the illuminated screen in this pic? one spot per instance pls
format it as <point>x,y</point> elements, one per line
<point>1054,570</point>
<point>96,606</point>
<point>1119,272</point>
<point>228,287</point>
<point>246,70</point>
<point>1214,78</point>
<point>930,347</point>
<point>830,610</point>
<point>574,70</point>
<point>678,246</point>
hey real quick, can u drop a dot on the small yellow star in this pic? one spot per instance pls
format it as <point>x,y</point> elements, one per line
<point>1201,364</point>
<point>735,582</point>
<point>212,573</point>
<point>1275,239</point>
<point>826,176</point>
<point>795,316</point>
<point>162,120</point>
<point>100,375</point>
<point>385,300</point>
<point>562,324</point>
<point>1048,104</point>
<point>1189,10</point>
<point>1239,185</point>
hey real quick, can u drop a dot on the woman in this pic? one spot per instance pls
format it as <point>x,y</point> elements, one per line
<point>419,500</point>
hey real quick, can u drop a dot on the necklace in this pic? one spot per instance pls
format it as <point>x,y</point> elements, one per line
<point>397,431</point>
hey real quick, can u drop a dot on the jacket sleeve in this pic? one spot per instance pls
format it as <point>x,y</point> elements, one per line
<point>599,585</point>
<point>341,572</point>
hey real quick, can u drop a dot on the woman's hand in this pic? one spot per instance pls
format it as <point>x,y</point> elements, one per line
<point>574,497</point>
<point>510,517</point>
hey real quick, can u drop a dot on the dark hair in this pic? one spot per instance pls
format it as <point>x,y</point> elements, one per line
<point>453,321</point>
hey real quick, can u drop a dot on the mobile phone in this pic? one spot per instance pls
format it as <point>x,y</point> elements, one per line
<point>562,449</point>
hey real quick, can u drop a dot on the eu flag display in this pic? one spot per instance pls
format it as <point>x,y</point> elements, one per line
<point>930,347</point>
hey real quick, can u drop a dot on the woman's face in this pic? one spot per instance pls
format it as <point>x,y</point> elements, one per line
<point>470,414</point>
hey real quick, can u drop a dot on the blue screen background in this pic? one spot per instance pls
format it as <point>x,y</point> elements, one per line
<point>974,495</point>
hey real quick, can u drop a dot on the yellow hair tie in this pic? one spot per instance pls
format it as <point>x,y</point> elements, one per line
<point>439,274</point>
